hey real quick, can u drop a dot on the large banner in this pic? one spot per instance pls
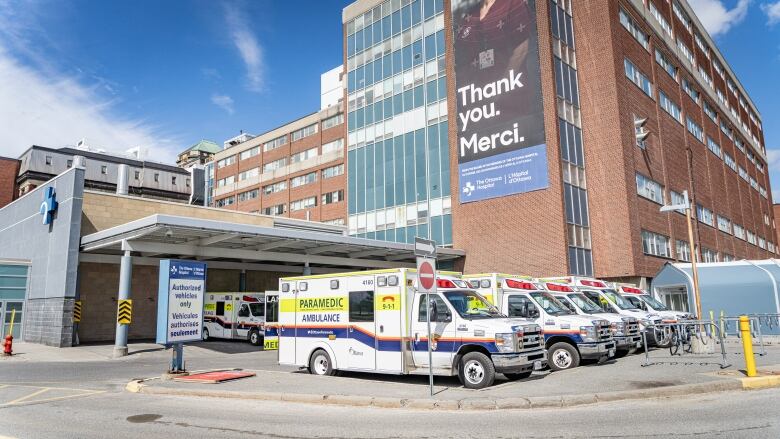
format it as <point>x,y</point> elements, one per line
<point>501,145</point>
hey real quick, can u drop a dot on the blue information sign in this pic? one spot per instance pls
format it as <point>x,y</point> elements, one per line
<point>181,289</point>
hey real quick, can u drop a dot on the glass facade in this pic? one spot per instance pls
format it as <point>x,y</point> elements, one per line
<point>398,164</point>
<point>209,183</point>
<point>570,130</point>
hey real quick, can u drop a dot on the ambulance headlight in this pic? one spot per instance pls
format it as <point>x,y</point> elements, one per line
<point>505,342</point>
<point>588,334</point>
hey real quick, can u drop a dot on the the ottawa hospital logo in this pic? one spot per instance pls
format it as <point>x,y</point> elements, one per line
<point>48,206</point>
<point>174,269</point>
<point>468,189</point>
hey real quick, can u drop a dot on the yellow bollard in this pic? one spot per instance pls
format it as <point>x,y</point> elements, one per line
<point>747,346</point>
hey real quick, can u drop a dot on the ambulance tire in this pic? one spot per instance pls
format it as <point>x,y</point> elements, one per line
<point>476,371</point>
<point>205,334</point>
<point>562,356</point>
<point>255,338</point>
<point>321,364</point>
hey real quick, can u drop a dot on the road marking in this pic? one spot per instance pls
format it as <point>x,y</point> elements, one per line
<point>55,398</point>
<point>23,398</point>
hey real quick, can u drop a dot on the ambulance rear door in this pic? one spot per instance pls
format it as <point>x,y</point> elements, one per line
<point>389,350</point>
<point>271,338</point>
<point>288,295</point>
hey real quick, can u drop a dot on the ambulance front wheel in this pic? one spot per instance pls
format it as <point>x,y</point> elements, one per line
<point>476,370</point>
<point>320,364</point>
<point>255,338</point>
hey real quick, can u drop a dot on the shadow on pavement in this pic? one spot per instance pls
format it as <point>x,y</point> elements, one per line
<point>227,346</point>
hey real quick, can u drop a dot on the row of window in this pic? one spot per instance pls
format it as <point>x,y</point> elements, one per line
<point>387,20</point>
<point>397,104</point>
<point>656,244</point>
<point>439,229</point>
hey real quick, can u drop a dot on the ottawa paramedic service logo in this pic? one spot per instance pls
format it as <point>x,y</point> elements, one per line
<point>468,189</point>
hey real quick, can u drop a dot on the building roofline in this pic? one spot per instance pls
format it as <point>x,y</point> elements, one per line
<point>111,158</point>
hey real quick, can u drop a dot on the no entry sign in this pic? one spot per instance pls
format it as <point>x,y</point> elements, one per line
<point>426,275</point>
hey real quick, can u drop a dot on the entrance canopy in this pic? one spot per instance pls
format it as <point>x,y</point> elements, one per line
<point>740,287</point>
<point>288,245</point>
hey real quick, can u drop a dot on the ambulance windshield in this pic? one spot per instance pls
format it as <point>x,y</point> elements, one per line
<point>586,305</point>
<point>471,305</point>
<point>653,302</point>
<point>550,304</point>
<point>618,300</point>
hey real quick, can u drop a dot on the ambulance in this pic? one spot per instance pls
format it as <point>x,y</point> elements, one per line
<point>234,316</point>
<point>271,338</point>
<point>644,301</point>
<point>376,321</point>
<point>568,337</point>
<point>625,330</point>
<point>608,298</point>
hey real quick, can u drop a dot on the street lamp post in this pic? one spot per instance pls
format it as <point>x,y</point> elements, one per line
<point>686,206</point>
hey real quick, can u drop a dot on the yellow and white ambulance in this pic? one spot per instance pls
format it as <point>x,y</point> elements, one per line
<point>271,339</point>
<point>569,337</point>
<point>234,316</point>
<point>375,321</point>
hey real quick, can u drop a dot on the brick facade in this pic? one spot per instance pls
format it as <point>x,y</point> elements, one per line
<point>9,169</point>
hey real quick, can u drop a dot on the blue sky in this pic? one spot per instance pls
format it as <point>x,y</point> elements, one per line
<point>164,74</point>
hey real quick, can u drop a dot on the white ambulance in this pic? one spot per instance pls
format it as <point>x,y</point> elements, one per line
<point>271,338</point>
<point>608,298</point>
<point>375,321</point>
<point>234,316</point>
<point>644,301</point>
<point>625,330</point>
<point>569,337</point>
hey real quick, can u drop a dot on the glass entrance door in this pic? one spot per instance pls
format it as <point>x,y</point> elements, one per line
<point>7,309</point>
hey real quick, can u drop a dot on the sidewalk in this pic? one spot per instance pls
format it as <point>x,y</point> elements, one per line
<point>621,379</point>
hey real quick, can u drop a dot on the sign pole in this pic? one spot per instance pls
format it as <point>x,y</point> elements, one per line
<point>425,250</point>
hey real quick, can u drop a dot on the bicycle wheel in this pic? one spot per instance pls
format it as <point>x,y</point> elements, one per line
<point>674,347</point>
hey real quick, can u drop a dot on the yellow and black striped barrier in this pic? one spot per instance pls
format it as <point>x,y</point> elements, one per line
<point>77,312</point>
<point>124,314</point>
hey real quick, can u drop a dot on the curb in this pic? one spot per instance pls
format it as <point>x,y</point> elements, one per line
<point>513,403</point>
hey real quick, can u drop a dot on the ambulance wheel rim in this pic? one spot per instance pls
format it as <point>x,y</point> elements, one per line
<point>562,358</point>
<point>321,365</point>
<point>254,338</point>
<point>474,372</point>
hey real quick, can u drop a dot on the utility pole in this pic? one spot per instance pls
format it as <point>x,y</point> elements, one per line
<point>686,206</point>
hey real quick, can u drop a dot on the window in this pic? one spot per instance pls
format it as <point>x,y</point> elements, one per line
<point>333,197</point>
<point>649,189</point>
<point>336,145</point>
<point>333,121</point>
<point>762,191</point>
<point>279,209</point>
<point>718,67</point>
<point>250,173</point>
<point>691,90</point>
<point>333,171</point>
<point>677,198</point>
<point>173,180</point>
<point>48,160</point>
<point>304,132</point>
<point>710,112</point>
<point>739,232</point>
<point>104,169</point>
<point>187,182</point>
<point>702,45</point>
<point>156,177</point>
<point>303,155</point>
<point>660,19</point>
<point>706,76</point>
<point>714,147</point>
<point>301,180</point>
<point>669,106</point>
<point>686,52</point>
<point>422,310</point>
<point>226,181</point>
<point>724,224</point>
<point>633,28</point>
<point>226,201</point>
<point>740,144</point>
<point>638,78</point>
<point>708,255</point>
<point>761,243</point>
<point>274,165</point>
<point>743,173</point>
<point>226,161</point>
<point>335,222</point>
<point>683,250</point>
<point>730,161</point>
<point>303,204</point>
<point>249,153</point>
<point>69,163</point>
<point>361,306</point>
<point>276,187</point>
<point>137,175</point>
<point>667,64</point>
<point>704,215</point>
<point>655,244</point>
<point>728,258</point>
<point>682,15</point>
<point>275,143</point>
<point>695,129</point>
<point>751,237</point>
<point>248,195</point>
<point>727,130</point>
<point>520,306</point>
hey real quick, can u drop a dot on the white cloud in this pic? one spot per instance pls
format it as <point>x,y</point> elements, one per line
<point>248,47</point>
<point>223,101</point>
<point>716,17</point>
<point>772,11</point>
<point>56,110</point>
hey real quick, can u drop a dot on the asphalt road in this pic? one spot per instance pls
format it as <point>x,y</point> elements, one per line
<point>123,415</point>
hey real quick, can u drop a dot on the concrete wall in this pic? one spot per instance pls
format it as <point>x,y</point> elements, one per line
<point>52,251</point>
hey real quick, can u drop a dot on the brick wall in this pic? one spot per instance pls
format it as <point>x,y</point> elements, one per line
<point>9,169</point>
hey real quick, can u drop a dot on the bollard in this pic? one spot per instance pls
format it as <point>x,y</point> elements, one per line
<point>722,328</point>
<point>747,346</point>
